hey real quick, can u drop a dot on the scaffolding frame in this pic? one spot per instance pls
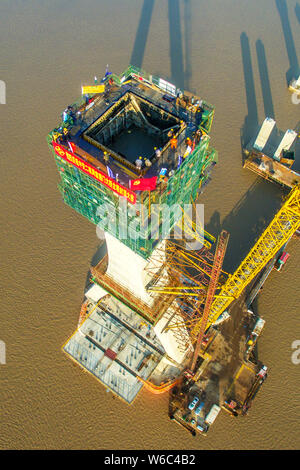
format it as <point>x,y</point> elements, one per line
<point>85,194</point>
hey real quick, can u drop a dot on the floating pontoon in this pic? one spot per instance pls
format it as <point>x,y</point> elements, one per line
<point>285,144</point>
<point>264,133</point>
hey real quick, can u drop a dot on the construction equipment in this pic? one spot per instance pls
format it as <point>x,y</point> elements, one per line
<point>283,226</point>
<point>279,231</point>
<point>215,273</point>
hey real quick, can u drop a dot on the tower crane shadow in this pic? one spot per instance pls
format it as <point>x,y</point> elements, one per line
<point>187,42</point>
<point>289,40</point>
<point>176,54</point>
<point>297,11</point>
<point>250,125</point>
<point>264,79</point>
<point>180,72</point>
<point>246,221</point>
<point>140,42</point>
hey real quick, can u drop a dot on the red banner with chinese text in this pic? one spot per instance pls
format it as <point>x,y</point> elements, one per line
<point>93,172</point>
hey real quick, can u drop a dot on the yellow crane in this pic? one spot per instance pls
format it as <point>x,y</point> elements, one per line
<point>279,231</point>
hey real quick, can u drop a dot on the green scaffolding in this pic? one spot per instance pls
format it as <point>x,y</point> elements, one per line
<point>130,223</point>
<point>137,73</point>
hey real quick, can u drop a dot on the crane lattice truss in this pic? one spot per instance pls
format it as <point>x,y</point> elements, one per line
<point>183,275</point>
<point>213,284</point>
<point>280,230</point>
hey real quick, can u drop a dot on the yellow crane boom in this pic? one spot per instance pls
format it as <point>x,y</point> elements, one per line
<point>280,230</point>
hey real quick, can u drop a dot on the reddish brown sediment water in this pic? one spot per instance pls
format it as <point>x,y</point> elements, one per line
<point>233,54</point>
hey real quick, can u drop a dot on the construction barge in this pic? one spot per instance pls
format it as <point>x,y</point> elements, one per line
<point>159,311</point>
<point>271,154</point>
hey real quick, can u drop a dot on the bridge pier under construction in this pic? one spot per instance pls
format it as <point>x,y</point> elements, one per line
<point>157,313</point>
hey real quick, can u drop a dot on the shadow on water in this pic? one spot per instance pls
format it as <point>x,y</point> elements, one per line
<point>297,11</point>
<point>96,258</point>
<point>187,41</point>
<point>100,253</point>
<point>247,220</point>
<point>264,79</point>
<point>251,120</point>
<point>288,37</point>
<point>180,74</point>
<point>250,126</point>
<point>296,166</point>
<point>140,42</point>
<point>176,54</point>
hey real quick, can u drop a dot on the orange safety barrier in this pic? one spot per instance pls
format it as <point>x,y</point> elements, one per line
<point>157,389</point>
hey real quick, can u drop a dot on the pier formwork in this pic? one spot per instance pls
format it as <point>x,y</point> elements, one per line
<point>137,117</point>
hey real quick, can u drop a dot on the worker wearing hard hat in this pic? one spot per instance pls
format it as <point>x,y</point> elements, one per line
<point>173,143</point>
<point>139,163</point>
<point>157,152</point>
<point>106,157</point>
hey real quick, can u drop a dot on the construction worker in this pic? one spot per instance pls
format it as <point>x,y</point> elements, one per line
<point>173,142</point>
<point>157,152</point>
<point>198,116</point>
<point>147,162</point>
<point>139,163</point>
<point>162,174</point>
<point>56,135</point>
<point>65,115</point>
<point>106,157</point>
<point>65,133</point>
<point>187,152</point>
<point>198,136</point>
<point>78,116</point>
<point>170,133</point>
<point>106,93</point>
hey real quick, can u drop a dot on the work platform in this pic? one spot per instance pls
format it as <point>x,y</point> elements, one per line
<point>224,378</point>
<point>272,153</point>
<point>115,345</point>
<point>271,170</point>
